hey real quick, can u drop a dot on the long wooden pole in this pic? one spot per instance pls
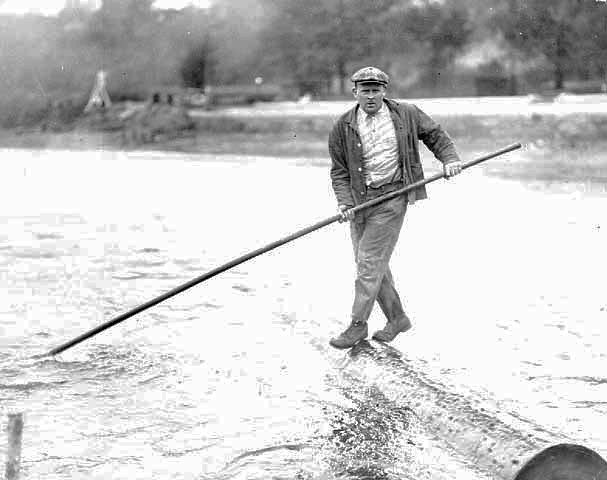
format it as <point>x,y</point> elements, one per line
<point>264,249</point>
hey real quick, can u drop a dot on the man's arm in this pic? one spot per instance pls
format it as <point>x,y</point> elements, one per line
<point>438,142</point>
<point>340,173</point>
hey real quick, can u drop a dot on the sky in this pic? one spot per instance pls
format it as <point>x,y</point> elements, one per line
<point>51,7</point>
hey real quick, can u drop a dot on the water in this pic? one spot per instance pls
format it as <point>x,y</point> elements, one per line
<point>234,378</point>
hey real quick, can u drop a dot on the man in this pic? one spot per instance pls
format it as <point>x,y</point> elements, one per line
<point>374,151</point>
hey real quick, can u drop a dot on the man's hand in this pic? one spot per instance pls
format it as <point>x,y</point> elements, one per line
<point>346,213</point>
<point>452,168</point>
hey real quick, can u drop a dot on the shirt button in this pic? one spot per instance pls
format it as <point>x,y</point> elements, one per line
<point>360,169</point>
<point>359,144</point>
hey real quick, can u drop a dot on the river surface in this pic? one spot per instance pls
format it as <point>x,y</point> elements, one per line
<point>234,378</point>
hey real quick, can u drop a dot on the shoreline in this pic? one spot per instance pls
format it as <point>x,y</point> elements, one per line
<point>281,144</point>
<point>557,150</point>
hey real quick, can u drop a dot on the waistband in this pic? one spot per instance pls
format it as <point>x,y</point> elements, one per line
<point>386,188</point>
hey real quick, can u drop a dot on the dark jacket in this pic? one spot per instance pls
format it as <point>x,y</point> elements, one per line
<point>411,125</point>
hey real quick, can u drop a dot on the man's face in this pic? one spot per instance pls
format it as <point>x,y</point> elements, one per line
<point>369,96</point>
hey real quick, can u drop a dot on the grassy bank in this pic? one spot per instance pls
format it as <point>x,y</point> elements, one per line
<point>564,148</point>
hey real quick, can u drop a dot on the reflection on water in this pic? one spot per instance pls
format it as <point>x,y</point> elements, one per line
<point>369,437</point>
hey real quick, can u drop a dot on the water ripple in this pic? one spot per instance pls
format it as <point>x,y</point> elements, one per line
<point>31,386</point>
<point>583,378</point>
<point>294,447</point>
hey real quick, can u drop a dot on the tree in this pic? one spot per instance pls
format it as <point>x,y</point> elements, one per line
<point>120,21</point>
<point>316,40</point>
<point>553,30</point>
<point>195,67</point>
<point>443,29</point>
<point>362,32</point>
<point>591,47</point>
<point>292,40</point>
<point>234,31</point>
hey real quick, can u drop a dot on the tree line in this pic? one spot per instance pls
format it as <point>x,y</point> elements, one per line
<point>428,46</point>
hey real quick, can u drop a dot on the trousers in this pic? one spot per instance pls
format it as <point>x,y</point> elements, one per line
<point>374,232</point>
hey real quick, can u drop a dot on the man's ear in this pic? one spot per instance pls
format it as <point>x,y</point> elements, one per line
<point>354,91</point>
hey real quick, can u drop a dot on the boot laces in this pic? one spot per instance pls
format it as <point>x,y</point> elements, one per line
<point>355,325</point>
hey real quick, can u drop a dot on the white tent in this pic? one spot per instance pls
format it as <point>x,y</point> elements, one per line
<point>99,98</point>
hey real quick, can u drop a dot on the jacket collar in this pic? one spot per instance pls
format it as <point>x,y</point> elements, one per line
<point>353,112</point>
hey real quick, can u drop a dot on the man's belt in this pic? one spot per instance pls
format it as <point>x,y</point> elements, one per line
<point>387,187</point>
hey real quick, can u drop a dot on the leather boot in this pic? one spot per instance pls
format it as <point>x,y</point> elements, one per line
<point>356,332</point>
<point>392,329</point>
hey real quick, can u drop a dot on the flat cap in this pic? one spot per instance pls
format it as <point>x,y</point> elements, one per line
<point>370,75</point>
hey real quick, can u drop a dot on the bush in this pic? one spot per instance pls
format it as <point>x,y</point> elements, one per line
<point>23,110</point>
<point>27,110</point>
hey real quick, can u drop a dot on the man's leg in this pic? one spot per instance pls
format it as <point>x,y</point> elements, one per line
<point>375,246</point>
<point>391,305</point>
<point>389,300</point>
<point>374,237</point>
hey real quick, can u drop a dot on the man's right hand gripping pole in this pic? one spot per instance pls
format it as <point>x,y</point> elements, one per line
<point>346,213</point>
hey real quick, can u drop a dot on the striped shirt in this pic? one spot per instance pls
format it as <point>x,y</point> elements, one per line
<point>379,147</point>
